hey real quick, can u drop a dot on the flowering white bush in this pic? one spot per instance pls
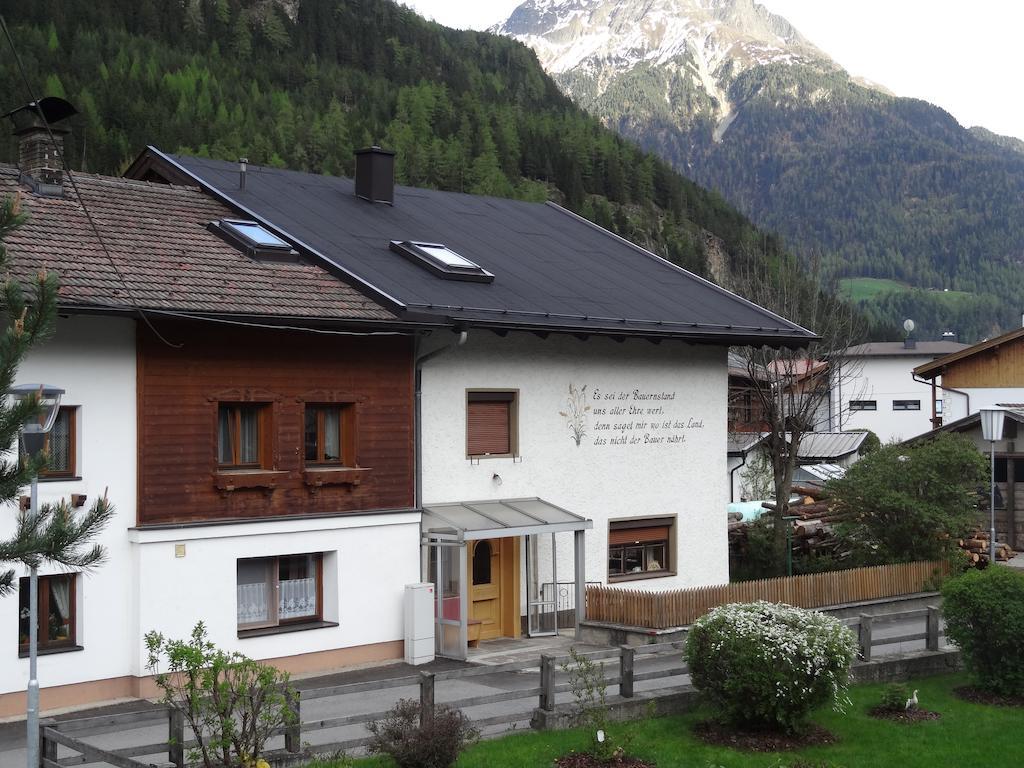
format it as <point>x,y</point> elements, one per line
<point>766,665</point>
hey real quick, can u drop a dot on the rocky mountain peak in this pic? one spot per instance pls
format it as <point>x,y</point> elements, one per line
<point>568,34</point>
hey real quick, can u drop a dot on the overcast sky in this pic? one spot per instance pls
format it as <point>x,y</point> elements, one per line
<point>963,56</point>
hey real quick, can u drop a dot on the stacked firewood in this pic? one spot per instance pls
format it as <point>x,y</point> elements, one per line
<point>812,528</point>
<point>976,548</point>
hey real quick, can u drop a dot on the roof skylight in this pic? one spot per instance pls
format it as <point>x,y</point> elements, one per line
<point>254,239</point>
<point>442,261</point>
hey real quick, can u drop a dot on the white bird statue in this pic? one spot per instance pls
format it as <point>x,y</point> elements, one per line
<point>912,701</point>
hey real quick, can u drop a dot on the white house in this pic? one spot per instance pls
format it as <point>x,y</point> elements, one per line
<point>580,402</point>
<point>875,388</point>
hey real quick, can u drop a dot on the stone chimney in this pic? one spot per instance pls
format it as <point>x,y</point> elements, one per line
<point>375,175</point>
<point>40,158</point>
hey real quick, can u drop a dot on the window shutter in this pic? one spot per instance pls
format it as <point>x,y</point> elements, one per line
<point>488,429</point>
<point>642,535</point>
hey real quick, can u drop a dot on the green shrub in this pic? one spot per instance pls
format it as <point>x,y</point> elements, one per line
<point>436,744</point>
<point>765,665</point>
<point>895,696</point>
<point>984,612</point>
<point>231,703</point>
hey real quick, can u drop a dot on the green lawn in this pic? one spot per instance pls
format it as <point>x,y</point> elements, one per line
<point>860,288</point>
<point>867,288</point>
<point>967,735</point>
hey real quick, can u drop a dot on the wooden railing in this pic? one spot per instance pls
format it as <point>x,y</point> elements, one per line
<point>681,607</point>
<point>551,680</point>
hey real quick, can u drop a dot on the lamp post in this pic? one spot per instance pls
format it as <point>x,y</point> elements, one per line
<point>33,441</point>
<point>992,430</point>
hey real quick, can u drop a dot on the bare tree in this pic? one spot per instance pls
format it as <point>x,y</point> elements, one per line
<point>794,385</point>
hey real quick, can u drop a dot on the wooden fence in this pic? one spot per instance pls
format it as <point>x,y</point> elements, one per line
<point>681,607</point>
<point>551,680</point>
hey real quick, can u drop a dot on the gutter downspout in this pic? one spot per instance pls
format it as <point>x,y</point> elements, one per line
<point>418,416</point>
<point>732,472</point>
<point>967,396</point>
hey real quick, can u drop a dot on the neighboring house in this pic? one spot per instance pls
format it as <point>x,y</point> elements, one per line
<point>568,429</point>
<point>821,455</point>
<point>1009,470</point>
<point>242,457</point>
<point>980,376</point>
<point>745,409</point>
<point>875,388</point>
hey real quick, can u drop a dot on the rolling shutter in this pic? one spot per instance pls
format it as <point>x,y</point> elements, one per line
<point>641,535</point>
<point>488,427</point>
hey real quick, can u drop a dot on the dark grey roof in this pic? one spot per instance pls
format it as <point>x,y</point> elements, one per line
<point>553,269</point>
<point>898,349</point>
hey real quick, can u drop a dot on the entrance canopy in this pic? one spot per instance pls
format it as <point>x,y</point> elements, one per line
<point>488,534</point>
<point>475,520</point>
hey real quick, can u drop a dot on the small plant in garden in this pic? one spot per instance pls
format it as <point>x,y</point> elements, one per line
<point>589,689</point>
<point>984,613</point>
<point>767,665</point>
<point>232,704</point>
<point>435,744</point>
<point>894,697</point>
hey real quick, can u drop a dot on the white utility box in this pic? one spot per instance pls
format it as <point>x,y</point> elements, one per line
<point>419,623</point>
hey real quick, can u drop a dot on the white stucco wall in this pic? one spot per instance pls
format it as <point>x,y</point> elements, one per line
<point>956,403</point>
<point>93,359</point>
<point>885,379</point>
<point>599,481</point>
<point>368,560</point>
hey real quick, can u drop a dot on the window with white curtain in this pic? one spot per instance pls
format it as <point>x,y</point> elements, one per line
<point>56,612</point>
<point>275,591</point>
<point>328,434</point>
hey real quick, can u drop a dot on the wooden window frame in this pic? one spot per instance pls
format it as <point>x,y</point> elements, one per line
<point>510,396</point>
<point>668,568</point>
<point>264,436</point>
<point>43,644</point>
<point>277,623</point>
<point>72,469</point>
<point>346,438</point>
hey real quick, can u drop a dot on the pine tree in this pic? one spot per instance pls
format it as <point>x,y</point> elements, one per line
<point>56,534</point>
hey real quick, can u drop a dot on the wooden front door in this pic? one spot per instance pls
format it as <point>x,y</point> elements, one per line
<point>494,587</point>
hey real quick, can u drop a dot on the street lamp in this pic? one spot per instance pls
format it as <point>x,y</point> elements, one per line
<point>33,441</point>
<point>992,430</point>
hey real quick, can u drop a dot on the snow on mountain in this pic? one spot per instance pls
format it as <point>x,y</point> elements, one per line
<point>589,44</point>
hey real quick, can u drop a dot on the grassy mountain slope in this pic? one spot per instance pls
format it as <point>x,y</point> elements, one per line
<point>301,84</point>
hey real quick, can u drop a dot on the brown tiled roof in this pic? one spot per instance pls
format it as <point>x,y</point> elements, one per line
<point>156,234</point>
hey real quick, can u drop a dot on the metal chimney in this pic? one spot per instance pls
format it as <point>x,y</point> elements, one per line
<point>40,157</point>
<point>375,175</point>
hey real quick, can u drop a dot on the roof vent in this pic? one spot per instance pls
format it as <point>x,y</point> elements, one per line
<point>40,159</point>
<point>253,239</point>
<point>375,175</point>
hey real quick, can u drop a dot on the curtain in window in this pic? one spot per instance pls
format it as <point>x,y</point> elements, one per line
<point>59,443</point>
<point>225,439</point>
<point>332,434</point>
<point>60,607</point>
<point>249,439</point>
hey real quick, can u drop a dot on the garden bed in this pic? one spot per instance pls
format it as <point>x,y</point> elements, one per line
<point>861,740</point>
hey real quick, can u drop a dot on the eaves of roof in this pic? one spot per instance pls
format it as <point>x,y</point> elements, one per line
<point>935,368</point>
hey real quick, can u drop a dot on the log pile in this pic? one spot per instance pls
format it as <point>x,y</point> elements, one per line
<point>813,531</point>
<point>976,548</point>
